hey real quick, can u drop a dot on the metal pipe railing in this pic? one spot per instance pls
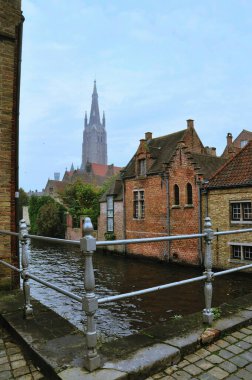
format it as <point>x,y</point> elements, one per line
<point>90,301</point>
<point>10,266</point>
<point>54,287</point>
<point>150,290</point>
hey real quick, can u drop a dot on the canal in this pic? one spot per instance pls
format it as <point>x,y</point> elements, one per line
<point>63,265</point>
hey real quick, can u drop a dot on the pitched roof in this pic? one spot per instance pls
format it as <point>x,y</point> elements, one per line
<point>207,164</point>
<point>103,170</point>
<point>56,185</point>
<point>115,189</point>
<point>236,172</point>
<point>161,150</point>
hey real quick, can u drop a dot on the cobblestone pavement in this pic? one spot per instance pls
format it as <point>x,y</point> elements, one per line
<point>227,358</point>
<point>14,362</point>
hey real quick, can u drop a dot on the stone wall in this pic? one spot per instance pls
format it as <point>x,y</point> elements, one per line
<point>219,212</point>
<point>10,19</point>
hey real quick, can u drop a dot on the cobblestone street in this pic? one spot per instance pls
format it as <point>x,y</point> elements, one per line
<point>228,358</point>
<point>14,362</point>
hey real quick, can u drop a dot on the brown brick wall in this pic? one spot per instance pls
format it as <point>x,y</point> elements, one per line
<point>219,212</point>
<point>10,18</point>
<point>183,219</point>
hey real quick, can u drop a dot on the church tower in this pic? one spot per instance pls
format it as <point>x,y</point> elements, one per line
<point>94,146</point>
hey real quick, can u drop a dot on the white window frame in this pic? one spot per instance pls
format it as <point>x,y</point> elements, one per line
<point>242,255</point>
<point>238,209</point>
<point>138,204</point>
<point>110,213</point>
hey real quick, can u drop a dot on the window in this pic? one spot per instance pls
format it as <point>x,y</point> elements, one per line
<point>241,252</point>
<point>241,212</point>
<point>243,143</point>
<point>138,204</point>
<point>110,213</point>
<point>189,194</point>
<point>142,167</point>
<point>176,195</point>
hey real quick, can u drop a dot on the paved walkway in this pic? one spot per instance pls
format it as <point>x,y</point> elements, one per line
<point>228,358</point>
<point>14,362</point>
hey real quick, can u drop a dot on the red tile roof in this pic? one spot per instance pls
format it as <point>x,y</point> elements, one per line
<point>236,172</point>
<point>103,170</point>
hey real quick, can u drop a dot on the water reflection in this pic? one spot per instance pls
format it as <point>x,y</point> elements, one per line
<point>64,266</point>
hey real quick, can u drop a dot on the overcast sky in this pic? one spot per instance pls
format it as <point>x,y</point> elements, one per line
<point>156,63</point>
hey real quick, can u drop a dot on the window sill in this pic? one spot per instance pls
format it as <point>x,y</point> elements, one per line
<point>241,222</point>
<point>141,176</point>
<point>188,206</point>
<point>176,206</point>
<point>239,261</point>
<point>138,219</point>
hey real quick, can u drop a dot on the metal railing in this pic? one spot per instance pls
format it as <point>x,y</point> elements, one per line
<point>89,301</point>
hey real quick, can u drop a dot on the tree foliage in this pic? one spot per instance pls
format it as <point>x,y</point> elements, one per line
<point>82,199</point>
<point>50,220</point>
<point>46,220</point>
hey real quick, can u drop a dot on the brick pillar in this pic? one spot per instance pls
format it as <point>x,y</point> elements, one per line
<point>10,51</point>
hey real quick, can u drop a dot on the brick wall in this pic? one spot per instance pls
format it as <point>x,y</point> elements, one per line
<point>184,219</point>
<point>10,18</point>
<point>219,212</point>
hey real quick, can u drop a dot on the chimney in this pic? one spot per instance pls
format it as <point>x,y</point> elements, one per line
<point>148,136</point>
<point>229,139</point>
<point>190,123</point>
<point>210,151</point>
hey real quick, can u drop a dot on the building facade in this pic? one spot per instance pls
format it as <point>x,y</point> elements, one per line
<point>228,201</point>
<point>94,146</point>
<point>10,67</point>
<point>161,195</point>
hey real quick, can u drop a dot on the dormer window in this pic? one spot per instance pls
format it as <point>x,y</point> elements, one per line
<point>142,167</point>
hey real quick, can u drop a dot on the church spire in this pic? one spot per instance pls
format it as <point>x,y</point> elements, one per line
<point>94,112</point>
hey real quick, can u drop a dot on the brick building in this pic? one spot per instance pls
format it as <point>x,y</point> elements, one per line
<point>11,21</point>
<point>110,222</point>
<point>228,201</point>
<point>162,194</point>
<point>233,147</point>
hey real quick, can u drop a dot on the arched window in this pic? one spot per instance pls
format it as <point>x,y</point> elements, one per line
<point>176,195</point>
<point>189,194</point>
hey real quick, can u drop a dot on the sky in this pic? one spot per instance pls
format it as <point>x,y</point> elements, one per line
<point>157,63</point>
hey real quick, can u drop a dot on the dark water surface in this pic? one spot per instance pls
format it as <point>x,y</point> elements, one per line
<point>63,265</point>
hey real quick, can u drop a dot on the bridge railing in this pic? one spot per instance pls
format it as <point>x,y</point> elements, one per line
<point>90,301</point>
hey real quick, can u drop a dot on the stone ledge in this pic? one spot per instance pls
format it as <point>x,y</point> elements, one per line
<point>57,347</point>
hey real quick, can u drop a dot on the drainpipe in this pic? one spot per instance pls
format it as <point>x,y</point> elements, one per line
<point>168,214</point>
<point>124,213</point>
<point>200,222</point>
<point>165,178</point>
<point>18,80</point>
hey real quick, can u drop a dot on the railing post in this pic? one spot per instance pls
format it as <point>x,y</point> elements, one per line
<point>28,310</point>
<point>90,303</point>
<point>208,290</point>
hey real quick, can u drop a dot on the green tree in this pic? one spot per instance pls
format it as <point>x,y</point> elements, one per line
<point>35,203</point>
<point>82,199</point>
<point>51,221</point>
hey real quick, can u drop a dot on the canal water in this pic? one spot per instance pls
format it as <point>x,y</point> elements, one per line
<point>63,265</point>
